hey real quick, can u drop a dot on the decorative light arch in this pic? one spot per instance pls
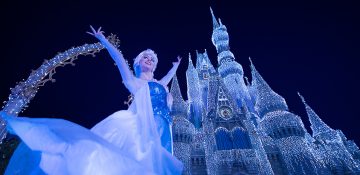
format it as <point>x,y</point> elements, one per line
<point>25,90</point>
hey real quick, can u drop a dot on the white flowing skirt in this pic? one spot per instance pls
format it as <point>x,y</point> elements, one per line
<point>112,147</point>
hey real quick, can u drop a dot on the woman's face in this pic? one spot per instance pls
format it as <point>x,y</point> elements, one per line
<point>147,63</point>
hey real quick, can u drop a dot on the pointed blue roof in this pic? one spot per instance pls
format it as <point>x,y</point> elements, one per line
<point>215,23</point>
<point>179,105</point>
<point>191,65</point>
<point>192,80</point>
<point>266,100</point>
<point>317,125</point>
<point>199,59</point>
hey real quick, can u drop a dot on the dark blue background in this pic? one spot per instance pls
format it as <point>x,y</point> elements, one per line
<point>310,47</point>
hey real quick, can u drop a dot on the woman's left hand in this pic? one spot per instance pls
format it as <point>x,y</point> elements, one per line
<point>178,61</point>
<point>99,34</point>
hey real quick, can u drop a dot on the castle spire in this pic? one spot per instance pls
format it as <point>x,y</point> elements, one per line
<point>220,39</point>
<point>175,90</point>
<point>198,60</point>
<point>179,105</point>
<point>194,95</point>
<point>220,23</point>
<point>192,79</point>
<point>256,79</point>
<point>215,23</point>
<point>266,100</point>
<point>317,125</point>
<point>191,65</point>
<point>254,73</point>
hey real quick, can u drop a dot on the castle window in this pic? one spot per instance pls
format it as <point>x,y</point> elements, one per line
<point>205,66</point>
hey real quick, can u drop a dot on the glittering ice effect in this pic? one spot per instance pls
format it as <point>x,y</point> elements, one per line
<point>246,127</point>
<point>25,90</point>
<point>229,125</point>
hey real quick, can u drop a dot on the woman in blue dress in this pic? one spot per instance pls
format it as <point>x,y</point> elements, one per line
<point>133,141</point>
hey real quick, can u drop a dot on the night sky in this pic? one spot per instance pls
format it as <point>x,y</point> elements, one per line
<point>310,47</point>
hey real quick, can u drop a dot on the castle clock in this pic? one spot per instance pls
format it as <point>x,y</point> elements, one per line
<point>225,112</point>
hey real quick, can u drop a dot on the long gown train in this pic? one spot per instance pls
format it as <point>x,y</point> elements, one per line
<point>126,142</point>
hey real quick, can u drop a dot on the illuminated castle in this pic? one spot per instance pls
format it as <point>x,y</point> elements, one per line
<point>227,125</point>
<point>231,126</point>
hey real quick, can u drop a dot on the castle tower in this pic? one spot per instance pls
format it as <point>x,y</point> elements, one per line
<point>228,143</point>
<point>208,128</point>
<point>220,39</point>
<point>231,71</point>
<point>205,70</point>
<point>194,95</point>
<point>182,129</point>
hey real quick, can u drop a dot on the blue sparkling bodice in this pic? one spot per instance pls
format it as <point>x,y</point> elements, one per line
<point>161,114</point>
<point>158,96</point>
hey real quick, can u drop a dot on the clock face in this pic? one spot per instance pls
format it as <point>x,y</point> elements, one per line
<point>225,112</point>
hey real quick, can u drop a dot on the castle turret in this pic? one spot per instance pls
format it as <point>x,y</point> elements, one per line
<point>205,69</point>
<point>182,129</point>
<point>220,39</point>
<point>230,70</point>
<point>194,95</point>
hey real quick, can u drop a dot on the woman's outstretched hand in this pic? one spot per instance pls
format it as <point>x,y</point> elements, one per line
<point>167,78</point>
<point>178,61</point>
<point>99,34</point>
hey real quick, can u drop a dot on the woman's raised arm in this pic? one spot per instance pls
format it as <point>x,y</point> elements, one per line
<point>166,79</point>
<point>115,54</point>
